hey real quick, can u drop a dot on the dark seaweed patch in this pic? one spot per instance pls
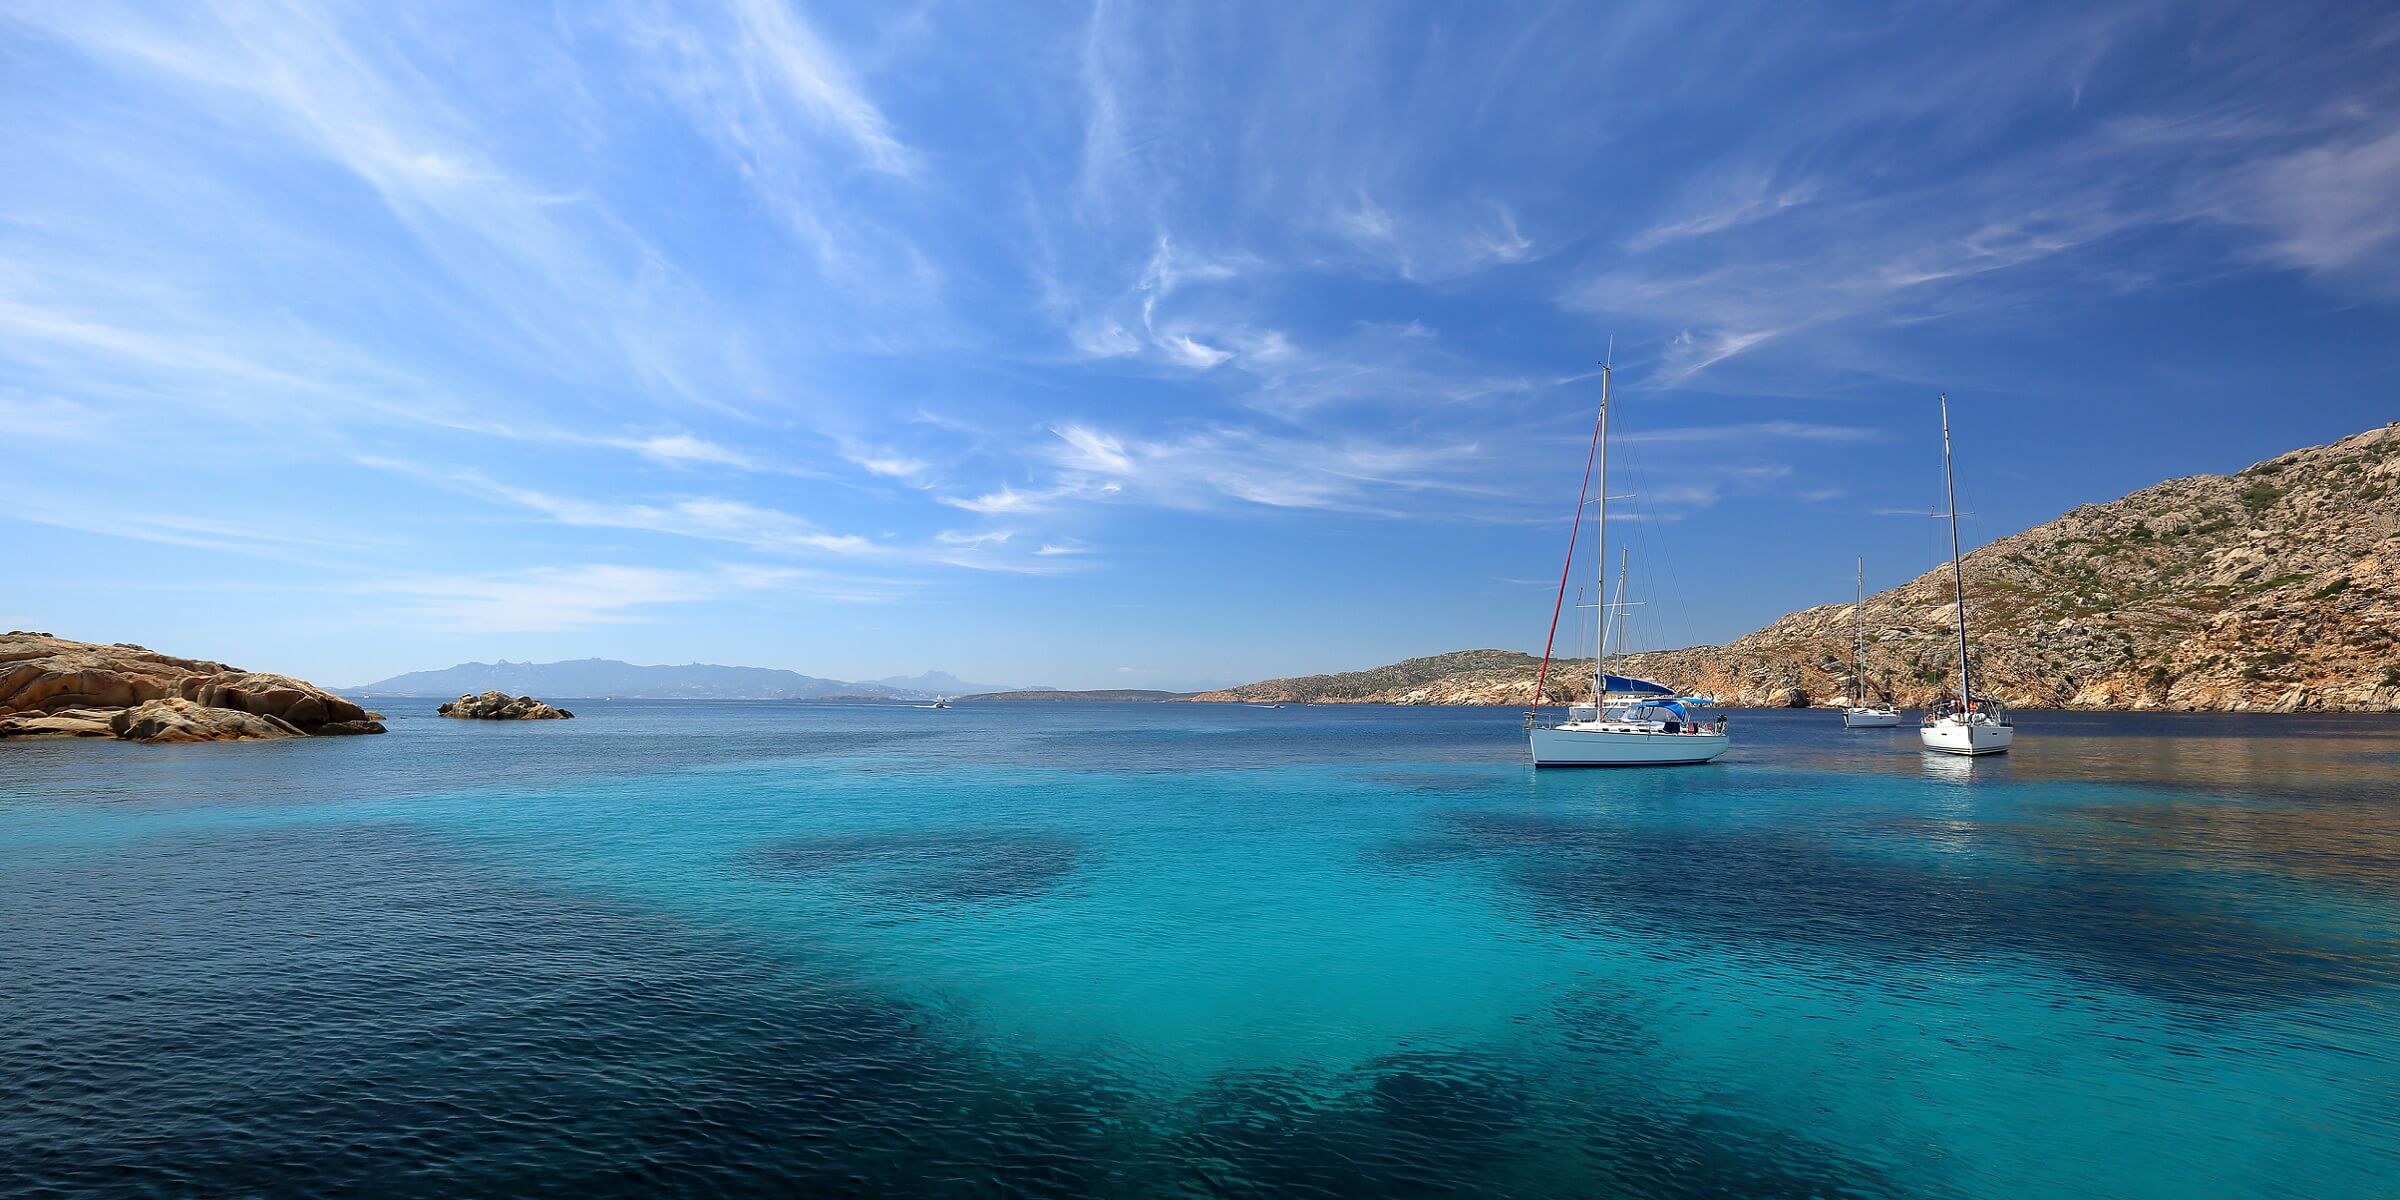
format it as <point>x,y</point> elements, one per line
<point>941,867</point>
<point>1754,890</point>
<point>1420,1124</point>
<point>1465,1124</point>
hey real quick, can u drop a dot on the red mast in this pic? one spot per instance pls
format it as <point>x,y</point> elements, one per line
<point>1574,534</point>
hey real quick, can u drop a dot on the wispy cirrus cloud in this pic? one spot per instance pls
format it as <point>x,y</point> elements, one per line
<point>558,599</point>
<point>1201,468</point>
<point>709,518</point>
<point>1754,431</point>
<point>1758,251</point>
<point>574,284</point>
<point>1723,204</point>
<point>755,81</point>
<point>2328,208</point>
<point>853,301</point>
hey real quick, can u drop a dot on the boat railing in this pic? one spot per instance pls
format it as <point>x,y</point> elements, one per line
<point>1988,711</point>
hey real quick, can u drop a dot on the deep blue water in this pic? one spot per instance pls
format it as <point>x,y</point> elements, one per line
<point>1201,950</point>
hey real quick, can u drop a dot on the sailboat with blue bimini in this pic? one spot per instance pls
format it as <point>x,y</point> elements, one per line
<point>1629,722</point>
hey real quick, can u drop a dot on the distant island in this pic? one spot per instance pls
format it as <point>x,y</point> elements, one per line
<point>595,678</point>
<point>2274,589</point>
<point>1114,694</point>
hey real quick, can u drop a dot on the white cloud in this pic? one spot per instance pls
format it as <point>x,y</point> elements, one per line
<point>890,466</point>
<point>1092,450</point>
<point>1006,499</point>
<point>1723,204</point>
<point>1183,350</point>
<point>683,449</point>
<point>805,72</point>
<point>1752,431</point>
<point>544,599</point>
<point>51,417</point>
<point>1103,339</point>
<point>2332,208</point>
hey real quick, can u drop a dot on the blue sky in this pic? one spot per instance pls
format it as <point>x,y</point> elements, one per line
<point>1131,345</point>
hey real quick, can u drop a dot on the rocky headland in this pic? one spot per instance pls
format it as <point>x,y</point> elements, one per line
<point>53,687</point>
<point>2274,589</point>
<point>500,706</point>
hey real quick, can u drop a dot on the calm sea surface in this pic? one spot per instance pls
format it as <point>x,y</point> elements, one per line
<point>1201,950</point>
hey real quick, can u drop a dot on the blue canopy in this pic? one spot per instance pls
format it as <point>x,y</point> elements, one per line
<point>1620,685</point>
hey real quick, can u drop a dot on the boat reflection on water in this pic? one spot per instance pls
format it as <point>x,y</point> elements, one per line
<point>1962,769</point>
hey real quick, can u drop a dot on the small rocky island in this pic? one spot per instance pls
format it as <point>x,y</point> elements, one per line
<point>500,706</point>
<point>53,687</point>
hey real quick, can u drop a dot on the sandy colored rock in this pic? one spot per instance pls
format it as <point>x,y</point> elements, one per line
<point>44,679</point>
<point>181,720</point>
<point>500,706</point>
<point>66,722</point>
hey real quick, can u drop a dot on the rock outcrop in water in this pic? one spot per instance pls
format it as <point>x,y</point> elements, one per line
<point>53,687</point>
<point>500,706</point>
<point>2275,589</point>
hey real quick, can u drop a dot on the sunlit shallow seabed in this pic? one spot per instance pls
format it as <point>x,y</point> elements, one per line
<point>1146,949</point>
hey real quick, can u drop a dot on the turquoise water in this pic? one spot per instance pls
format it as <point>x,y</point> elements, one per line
<point>1203,950</point>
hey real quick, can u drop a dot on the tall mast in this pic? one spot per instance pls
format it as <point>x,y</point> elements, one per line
<point>1858,663</point>
<point>1600,584</point>
<point>1613,614</point>
<point>1958,579</point>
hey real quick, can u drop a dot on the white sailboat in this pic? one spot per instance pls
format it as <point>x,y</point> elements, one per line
<point>1968,723</point>
<point>1861,714</point>
<point>1630,722</point>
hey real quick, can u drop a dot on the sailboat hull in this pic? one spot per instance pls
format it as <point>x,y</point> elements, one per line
<point>1870,718</point>
<point>1946,736</point>
<point>1570,747</point>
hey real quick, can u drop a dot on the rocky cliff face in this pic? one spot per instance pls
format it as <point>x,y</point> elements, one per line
<point>50,686</point>
<point>2274,589</point>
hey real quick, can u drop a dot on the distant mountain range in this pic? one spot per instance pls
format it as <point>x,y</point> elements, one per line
<point>1126,695</point>
<point>586,678</point>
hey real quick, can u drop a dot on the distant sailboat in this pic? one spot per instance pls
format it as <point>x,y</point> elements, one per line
<point>1860,714</point>
<point>1967,723</point>
<point>1630,722</point>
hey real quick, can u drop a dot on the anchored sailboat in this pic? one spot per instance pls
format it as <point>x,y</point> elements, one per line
<point>1968,723</point>
<point>1630,722</point>
<point>1861,714</point>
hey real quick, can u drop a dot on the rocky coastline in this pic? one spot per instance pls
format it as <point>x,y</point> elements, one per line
<point>54,687</point>
<point>2275,589</point>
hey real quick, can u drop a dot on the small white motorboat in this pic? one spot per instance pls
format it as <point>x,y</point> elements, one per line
<point>941,702</point>
<point>1967,723</point>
